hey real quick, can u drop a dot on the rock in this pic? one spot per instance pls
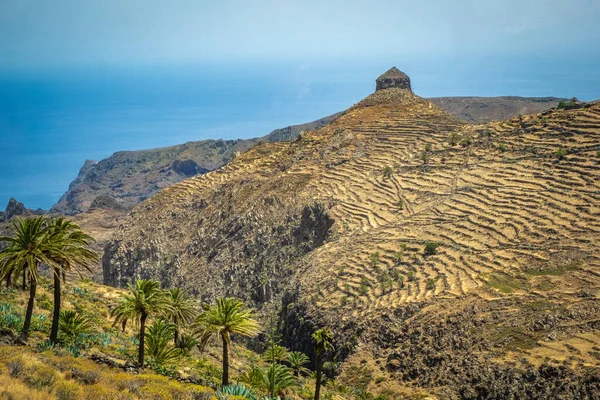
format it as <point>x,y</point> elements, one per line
<point>187,168</point>
<point>393,78</point>
<point>14,209</point>
<point>106,203</point>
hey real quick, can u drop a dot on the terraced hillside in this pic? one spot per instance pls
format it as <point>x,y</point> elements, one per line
<point>449,256</point>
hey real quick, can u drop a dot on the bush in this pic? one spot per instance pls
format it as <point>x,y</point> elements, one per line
<point>40,377</point>
<point>374,259</point>
<point>569,103</point>
<point>400,204</point>
<point>16,367</point>
<point>453,139</point>
<point>430,248</point>
<point>431,284</point>
<point>85,377</point>
<point>560,153</point>
<point>46,345</point>
<point>502,147</point>
<point>388,171</point>
<point>67,391</point>
<point>71,325</point>
<point>9,318</point>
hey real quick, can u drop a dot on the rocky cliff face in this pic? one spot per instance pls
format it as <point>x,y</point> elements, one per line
<point>453,257</point>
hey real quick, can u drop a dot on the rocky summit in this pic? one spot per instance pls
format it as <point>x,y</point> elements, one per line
<point>450,258</point>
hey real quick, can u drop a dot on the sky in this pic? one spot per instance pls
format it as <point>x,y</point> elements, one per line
<point>63,33</point>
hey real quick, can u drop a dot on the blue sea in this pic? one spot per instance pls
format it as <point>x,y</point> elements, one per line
<point>52,120</point>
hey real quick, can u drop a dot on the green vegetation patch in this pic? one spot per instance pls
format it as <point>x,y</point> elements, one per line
<point>552,270</point>
<point>506,283</point>
<point>513,338</point>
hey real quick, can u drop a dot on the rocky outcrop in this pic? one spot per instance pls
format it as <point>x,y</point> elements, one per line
<point>15,208</point>
<point>106,203</point>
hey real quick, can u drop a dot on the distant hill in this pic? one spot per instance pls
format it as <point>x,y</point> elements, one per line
<point>488,109</point>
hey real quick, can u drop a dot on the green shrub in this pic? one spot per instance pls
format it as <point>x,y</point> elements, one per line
<point>72,324</point>
<point>388,171</point>
<point>40,377</point>
<point>466,141</point>
<point>431,248</point>
<point>397,257</point>
<point>374,258</point>
<point>430,284</point>
<point>45,346</point>
<point>453,139</point>
<point>502,147</point>
<point>400,204</point>
<point>560,153</point>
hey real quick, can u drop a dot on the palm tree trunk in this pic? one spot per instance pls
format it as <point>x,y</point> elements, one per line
<point>176,336</point>
<point>319,373</point>
<point>142,337</point>
<point>56,312</point>
<point>9,278</point>
<point>24,277</point>
<point>225,362</point>
<point>29,312</point>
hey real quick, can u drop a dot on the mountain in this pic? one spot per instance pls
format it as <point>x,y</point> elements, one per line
<point>449,258</point>
<point>129,177</point>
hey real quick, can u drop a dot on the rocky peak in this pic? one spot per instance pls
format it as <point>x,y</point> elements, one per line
<point>14,208</point>
<point>393,78</point>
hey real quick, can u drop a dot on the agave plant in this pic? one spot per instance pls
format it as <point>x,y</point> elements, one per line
<point>235,390</point>
<point>71,325</point>
<point>158,346</point>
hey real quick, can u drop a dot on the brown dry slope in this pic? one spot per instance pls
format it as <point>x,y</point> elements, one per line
<point>341,226</point>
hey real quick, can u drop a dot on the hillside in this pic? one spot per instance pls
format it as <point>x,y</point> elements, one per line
<point>100,363</point>
<point>488,109</point>
<point>448,256</point>
<point>130,177</point>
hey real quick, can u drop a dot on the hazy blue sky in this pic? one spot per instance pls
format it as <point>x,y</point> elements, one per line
<point>129,32</point>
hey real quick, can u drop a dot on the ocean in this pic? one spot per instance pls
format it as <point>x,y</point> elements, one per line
<point>51,121</point>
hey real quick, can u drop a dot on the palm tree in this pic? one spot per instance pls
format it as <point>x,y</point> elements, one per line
<point>27,249</point>
<point>297,360</point>
<point>229,316</point>
<point>71,251</point>
<point>144,300</point>
<point>323,340</point>
<point>276,378</point>
<point>71,324</point>
<point>275,354</point>
<point>182,311</point>
<point>158,344</point>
